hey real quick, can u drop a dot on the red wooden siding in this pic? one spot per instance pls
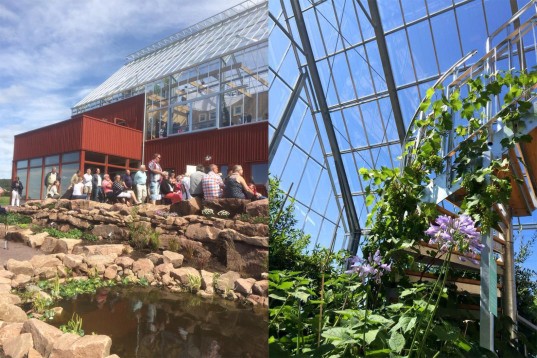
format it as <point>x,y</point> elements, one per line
<point>80,133</point>
<point>57,138</point>
<point>131,110</point>
<point>108,138</point>
<point>234,145</point>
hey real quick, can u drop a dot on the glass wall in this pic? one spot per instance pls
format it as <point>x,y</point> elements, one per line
<point>423,39</point>
<point>231,90</point>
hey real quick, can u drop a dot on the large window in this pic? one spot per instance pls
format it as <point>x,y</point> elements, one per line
<point>35,183</point>
<point>224,92</point>
<point>260,173</point>
<point>67,172</point>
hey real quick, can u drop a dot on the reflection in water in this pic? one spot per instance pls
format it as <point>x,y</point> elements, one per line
<point>146,322</point>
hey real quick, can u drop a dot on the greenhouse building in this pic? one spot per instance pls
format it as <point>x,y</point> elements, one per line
<point>349,102</point>
<point>199,96</point>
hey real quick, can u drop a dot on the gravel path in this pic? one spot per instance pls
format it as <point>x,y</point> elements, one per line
<point>15,250</point>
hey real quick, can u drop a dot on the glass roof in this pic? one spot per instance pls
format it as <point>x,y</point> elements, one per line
<point>423,38</point>
<point>236,28</point>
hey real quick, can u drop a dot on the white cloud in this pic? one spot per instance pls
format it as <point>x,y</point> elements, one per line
<point>55,52</point>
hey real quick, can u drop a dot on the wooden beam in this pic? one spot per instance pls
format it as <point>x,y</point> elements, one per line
<point>254,75</point>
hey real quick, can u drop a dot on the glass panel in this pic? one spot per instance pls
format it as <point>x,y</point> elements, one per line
<point>70,157</point>
<point>413,9</point>
<point>223,170</point>
<point>35,183</point>
<point>390,14</point>
<point>117,161</point>
<point>95,157</point>
<point>472,25</point>
<point>259,173</point>
<point>36,162</point>
<point>446,39</point>
<point>179,119</point>
<point>67,172</point>
<point>53,159</point>
<point>398,48</point>
<point>22,164</point>
<point>23,175</point>
<point>204,112</point>
<point>421,44</point>
<point>157,124</point>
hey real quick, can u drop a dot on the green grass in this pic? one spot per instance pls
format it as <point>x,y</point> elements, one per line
<point>4,200</point>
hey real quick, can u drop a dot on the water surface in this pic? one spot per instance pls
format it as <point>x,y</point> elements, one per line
<point>149,322</point>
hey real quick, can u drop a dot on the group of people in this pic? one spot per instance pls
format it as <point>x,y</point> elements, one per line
<point>152,182</point>
<point>206,185</point>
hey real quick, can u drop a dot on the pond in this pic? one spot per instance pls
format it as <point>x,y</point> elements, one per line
<point>149,322</point>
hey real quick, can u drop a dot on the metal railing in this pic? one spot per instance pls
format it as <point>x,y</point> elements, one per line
<point>516,45</point>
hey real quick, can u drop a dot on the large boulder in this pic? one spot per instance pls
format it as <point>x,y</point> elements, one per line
<point>45,261</point>
<point>20,280</point>
<point>109,231</point>
<point>244,285</point>
<point>44,335</point>
<point>173,258</point>
<point>62,347</point>
<point>9,331</point>
<point>91,346</point>
<point>10,298</point>
<point>79,204</point>
<point>73,261</point>
<point>187,207</point>
<point>248,229</point>
<point>233,206</point>
<point>98,260</point>
<point>107,249</point>
<point>18,347</point>
<point>242,257</point>
<point>124,261</point>
<point>20,267</point>
<point>36,240</point>
<point>201,232</point>
<point>207,281</point>
<point>226,282</point>
<point>260,288</point>
<point>52,245</point>
<point>258,208</point>
<point>11,313</point>
<point>185,274</point>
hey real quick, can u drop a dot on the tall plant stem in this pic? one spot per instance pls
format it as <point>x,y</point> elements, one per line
<point>321,311</point>
<point>418,324</point>
<point>445,272</point>
<point>368,291</point>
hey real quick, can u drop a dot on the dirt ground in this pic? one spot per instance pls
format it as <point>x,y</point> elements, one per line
<point>15,250</point>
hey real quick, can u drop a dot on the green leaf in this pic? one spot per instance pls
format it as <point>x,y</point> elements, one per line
<point>369,199</point>
<point>397,342</point>
<point>370,336</point>
<point>378,352</point>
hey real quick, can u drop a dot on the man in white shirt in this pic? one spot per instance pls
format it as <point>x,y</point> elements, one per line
<point>87,183</point>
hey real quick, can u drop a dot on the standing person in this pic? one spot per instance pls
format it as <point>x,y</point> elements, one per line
<point>127,179</point>
<point>16,192</point>
<point>54,192</point>
<point>74,179</point>
<point>185,187</point>
<point>196,189</point>
<point>140,182</point>
<point>50,178</point>
<point>212,184</point>
<point>96,183</point>
<point>155,174</point>
<point>87,180</point>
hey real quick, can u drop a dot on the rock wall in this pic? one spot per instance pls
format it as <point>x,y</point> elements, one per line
<point>227,244</point>
<point>23,337</point>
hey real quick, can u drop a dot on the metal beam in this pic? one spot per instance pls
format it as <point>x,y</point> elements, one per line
<point>284,120</point>
<point>350,210</point>
<point>509,304</point>
<point>387,68</point>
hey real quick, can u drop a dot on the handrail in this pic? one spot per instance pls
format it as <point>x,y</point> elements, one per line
<point>439,80</point>
<point>513,18</point>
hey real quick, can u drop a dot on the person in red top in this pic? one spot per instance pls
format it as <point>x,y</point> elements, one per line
<point>168,189</point>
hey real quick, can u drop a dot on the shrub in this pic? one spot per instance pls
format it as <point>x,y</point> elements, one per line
<point>173,245</point>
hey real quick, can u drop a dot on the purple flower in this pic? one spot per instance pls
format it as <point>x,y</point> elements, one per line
<point>372,268</point>
<point>456,233</point>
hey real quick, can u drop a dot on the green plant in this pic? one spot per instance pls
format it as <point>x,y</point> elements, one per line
<point>154,241</point>
<point>173,244</point>
<point>194,282</point>
<point>74,325</point>
<point>208,212</point>
<point>89,237</point>
<point>223,214</point>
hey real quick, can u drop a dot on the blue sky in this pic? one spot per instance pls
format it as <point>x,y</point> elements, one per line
<point>54,52</point>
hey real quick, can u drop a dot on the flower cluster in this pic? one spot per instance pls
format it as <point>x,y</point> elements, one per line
<point>207,212</point>
<point>456,233</point>
<point>372,268</point>
<point>164,213</point>
<point>223,213</point>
